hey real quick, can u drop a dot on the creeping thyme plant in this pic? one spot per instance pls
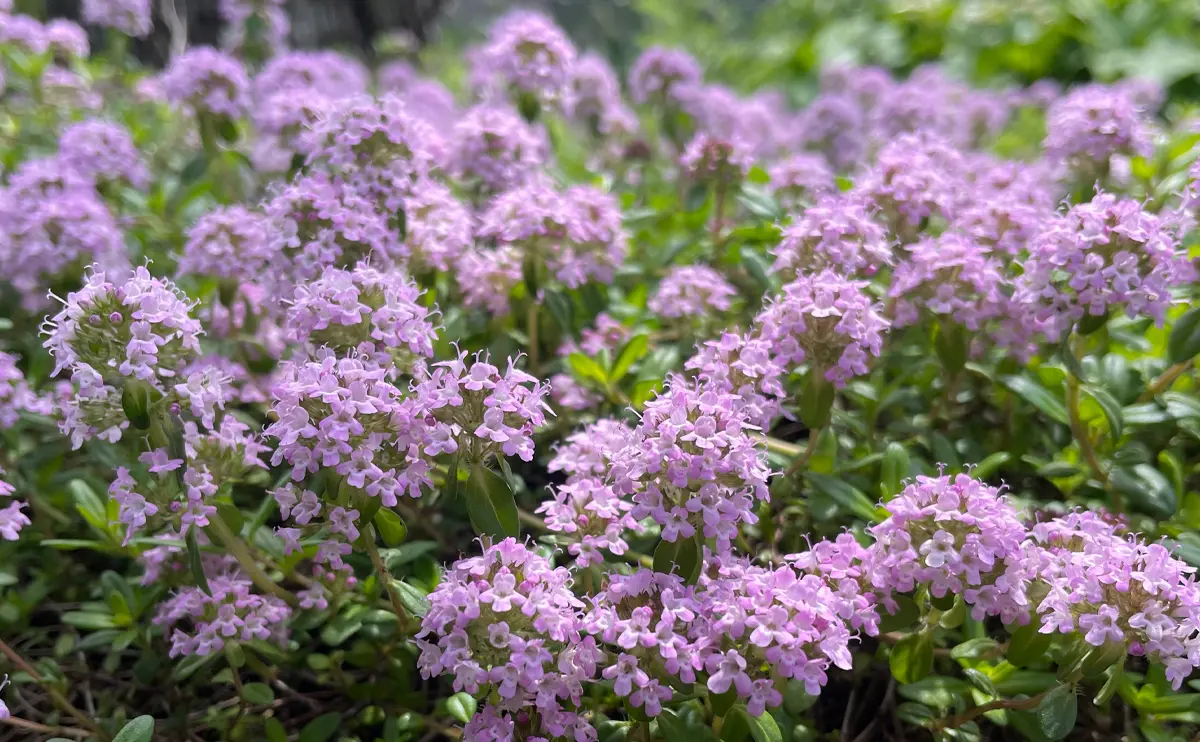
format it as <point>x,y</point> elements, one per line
<point>569,403</point>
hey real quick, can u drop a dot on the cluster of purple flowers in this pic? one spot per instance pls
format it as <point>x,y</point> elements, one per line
<point>202,623</point>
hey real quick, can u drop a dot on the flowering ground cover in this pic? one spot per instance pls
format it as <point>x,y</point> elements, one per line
<point>577,405</point>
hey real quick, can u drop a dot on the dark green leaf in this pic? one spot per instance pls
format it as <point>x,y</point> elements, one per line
<point>194,169</point>
<point>912,658</point>
<point>231,515</point>
<point>450,485</point>
<point>722,702</point>
<point>991,464</point>
<point>274,730</point>
<point>461,706</point>
<point>562,309</point>
<point>195,565</point>
<point>974,648</point>
<point>321,728</point>
<point>1027,645</point>
<point>629,355</point>
<point>491,504</point>
<point>1111,407</point>
<point>1056,714</point>
<point>1146,488</point>
<point>845,495</point>
<point>816,400</point>
<point>140,729</point>
<point>763,727</point>
<point>587,369</point>
<point>1038,396</point>
<point>135,402</point>
<point>391,527</point>
<point>907,613</point>
<point>893,469</point>
<point>951,342</point>
<point>1099,659</point>
<point>412,598</point>
<point>682,557</point>
<point>257,693</point>
<point>88,620</point>
<point>1184,341</point>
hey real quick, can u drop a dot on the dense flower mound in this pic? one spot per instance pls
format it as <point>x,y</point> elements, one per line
<point>692,291</point>
<point>131,17</point>
<point>200,623</point>
<point>1090,124</point>
<point>376,146</point>
<point>364,310</point>
<point>1102,256</point>
<point>528,54</point>
<point>343,414</point>
<point>801,179</point>
<point>956,536</point>
<point>951,278</point>
<point>710,159</point>
<point>742,365</point>
<point>508,621</point>
<point>658,75</point>
<point>326,73</point>
<point>834,233</point>
<point>479,411</point>
<point>12,517</point>
<point>645,620</point>
<point>916,178</point>
<point>207,83</point>
<point>585,507</point>
<point>16,396</point>
<point>494,148</point>
<point>140,328</point>
<point>487,277</point>
<point>692,465</point>
<point>595,96</point>
<point>230,242</point>
<point>1118,589</point>
<point>826,321</point>
<point>577,233</point>
<point>314,222</point>
<point>758,624</point>
<point>102,151</point>
<point>440,228</point>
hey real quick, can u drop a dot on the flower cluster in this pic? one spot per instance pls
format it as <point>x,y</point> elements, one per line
<point>103,152</point>
<point>827,321</point>
<point>658,75</point>
<point>950,277</point>
<point>692,465</point>
<point>528,54</point>
<point>479,411</point>
<point>1092,123</point>
<point>743,365</point>
<point>956,536</point>
<point>12,519</point>
<point>1104,255</point>
<point>130,17</point>
<point>835,233</point>
<point>363,310</point>
<point>202,623</point>
<point>495,148</point>
<point>208,83</point>
<point>692,291</point>
<point>230,242</point>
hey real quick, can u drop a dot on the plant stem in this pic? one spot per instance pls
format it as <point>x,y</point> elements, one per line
<point>1164,381</point>
<point>531,329</point>
<point>1080,433</point>
<point>55,695</point>
<point>718,215</point>
<point>246,561</point>
<point>386,577</point>
<point>958,720</point>
<point>813,435</point>
<point>778,446</point>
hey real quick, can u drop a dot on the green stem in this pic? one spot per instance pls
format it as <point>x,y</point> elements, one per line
<point>246,561</point>
<point>1164,381</point>
<point>1080,433</point>
<point>531,329</point>
<point>384,576</point>
<point>55,694</point>
<point>806,454</point>
<point>953,722</point>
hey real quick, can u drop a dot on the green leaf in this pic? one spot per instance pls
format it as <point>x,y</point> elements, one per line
<point>274,730</point>
<point>391,527</point>
<point>736,727</point>
<point>461,706</point>
<point>228,129</point>
<point>136,402</point>
<point>912,658</point>
<point>893,469</point>
<point>763,728</point>
<point>194,169</point>
<point>1099,659</point>
<point>991,464</point>
<point>845,495</point>
<point>1027,645</point>
<point>722,702</point>
<point>562,309</point>
<point>195,565</point>
<point>1115,675</point>
<point>450,485</point>
<point>231,515</point>
<point>951,342</point>
<point>1038,396</point>
<point>491,504</point>
<point>321,728</point>
<point>412,598</point>
<point>587,369</point>
<point>88,620</point>
<point>1056,715</point>
<point>629,355</point>
<point>1184,341</point>
<point>1111,407</point>
<point>682,557</point>
<point>974,648</point>
<point>907,613</point>
<point>257,693</point>
<point>140,729</point>
<point>1146,488</point>
<point>673,728</point>
<point>816,400</point>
